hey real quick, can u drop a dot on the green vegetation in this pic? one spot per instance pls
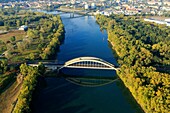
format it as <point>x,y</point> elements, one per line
<point>142,47</point>
<point>9,97</point>
<point>28,86</point>
<point>39,42</point>
<point>12,18</point>
<point>3,65</point>
<point>6,75</point>
<point>56,37</point>
<point>6,79</point>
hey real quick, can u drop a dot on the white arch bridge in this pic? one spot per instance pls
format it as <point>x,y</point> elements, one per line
<point>80,62</point>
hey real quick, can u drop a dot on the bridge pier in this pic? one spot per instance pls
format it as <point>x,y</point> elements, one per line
<point>72,15</point>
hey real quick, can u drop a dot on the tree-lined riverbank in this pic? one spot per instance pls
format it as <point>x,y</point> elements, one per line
<point>141,47</point>
<point>41,41</point>
<point>83,38</point>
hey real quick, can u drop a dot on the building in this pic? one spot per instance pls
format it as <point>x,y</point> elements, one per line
<point>167,3</point>
<point>93,6</point>
<point>158,21</point>
<point>86,6</point>
<point>23,27</point>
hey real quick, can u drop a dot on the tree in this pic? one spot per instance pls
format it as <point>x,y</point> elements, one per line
<point>41,68</point>
<point>10,47</point>
<point>26,23</point>
<point>18,22</point>
<point>6,28</point>
<point>32,33</point>
<point>12,38</point>
<point>27,42</point>
<point>32,56</point>
<point>3,65</point>
<point>24,69</point>
<point>41,38</point>
<point>8,54</point>
<point>20,46</point>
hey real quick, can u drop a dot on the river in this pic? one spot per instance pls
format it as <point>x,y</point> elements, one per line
<point>83,38</point>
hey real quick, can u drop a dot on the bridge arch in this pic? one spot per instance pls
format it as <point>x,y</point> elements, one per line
<point>88,63</point>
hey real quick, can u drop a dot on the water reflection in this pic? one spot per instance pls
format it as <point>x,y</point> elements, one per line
<point>83,38</point>
<point>89,77</point>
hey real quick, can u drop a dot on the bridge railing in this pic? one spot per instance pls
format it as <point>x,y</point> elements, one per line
<point>85,62</point>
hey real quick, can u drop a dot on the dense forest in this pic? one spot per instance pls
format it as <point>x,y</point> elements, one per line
<point>143,51</point>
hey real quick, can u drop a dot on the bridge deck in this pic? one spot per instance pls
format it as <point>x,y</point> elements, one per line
<point>81,62</point>
<point>89,67</point>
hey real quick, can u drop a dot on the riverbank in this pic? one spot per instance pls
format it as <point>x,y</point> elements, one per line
<point>42,42</point>
<point>137,58</point>
<point>83,37</point>
<point>126,90</point>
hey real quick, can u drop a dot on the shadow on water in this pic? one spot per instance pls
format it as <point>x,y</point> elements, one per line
<point>61,96</point>
<point>89,77</point>
<point>56,93</point>
<point>127,94</point>
<point>83,38</point>
<point>90,81</point>
<point>59,92</point>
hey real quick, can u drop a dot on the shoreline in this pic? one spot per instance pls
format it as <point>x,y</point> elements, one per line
<point>133,101</point>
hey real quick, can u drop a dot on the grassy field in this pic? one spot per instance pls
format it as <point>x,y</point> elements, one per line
<point>6,38</point>
<point>16,54</point>
<point>18,35</point>
<point>9,97</point>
